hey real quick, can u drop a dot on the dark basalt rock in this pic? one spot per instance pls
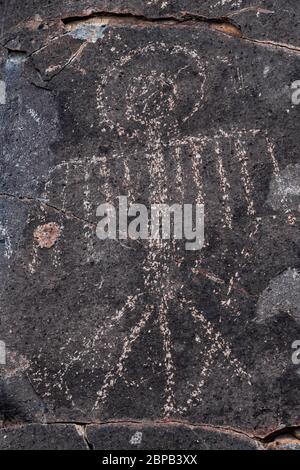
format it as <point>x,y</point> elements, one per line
<point>159,112</point>
<point>263,21</point>
<point>42,437</point>
<point>166,437</point>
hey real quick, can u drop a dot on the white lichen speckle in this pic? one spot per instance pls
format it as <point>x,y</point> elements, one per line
<point>136,439</point>
<point>2,92</point>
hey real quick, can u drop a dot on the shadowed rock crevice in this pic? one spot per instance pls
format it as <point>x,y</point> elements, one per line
<point>122,19</point>
<point>225,24</point>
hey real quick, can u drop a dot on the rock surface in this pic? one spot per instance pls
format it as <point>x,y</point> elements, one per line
<point>263,20</point>
<point>166,437</point>
<point>42,437</point>
<point>100,99</point>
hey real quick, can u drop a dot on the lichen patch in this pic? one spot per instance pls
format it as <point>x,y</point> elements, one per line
<point>46,235</point>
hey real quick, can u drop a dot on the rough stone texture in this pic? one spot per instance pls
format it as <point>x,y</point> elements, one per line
<point>162,112</point>
<point>166,437</point>
<point>285,442</point>
<point>42,437</point>
<point>264,19</point>
<point>285,189</point>
<point>281,296</point>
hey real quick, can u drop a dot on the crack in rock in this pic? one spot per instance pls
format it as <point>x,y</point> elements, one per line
<point>32,200</point>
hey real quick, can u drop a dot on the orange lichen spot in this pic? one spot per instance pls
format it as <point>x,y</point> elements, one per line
<point>46,235</point>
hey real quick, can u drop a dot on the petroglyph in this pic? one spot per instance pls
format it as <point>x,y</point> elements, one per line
<point>167,160</point>
<point>163,111</point>
<point>152,88</point>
